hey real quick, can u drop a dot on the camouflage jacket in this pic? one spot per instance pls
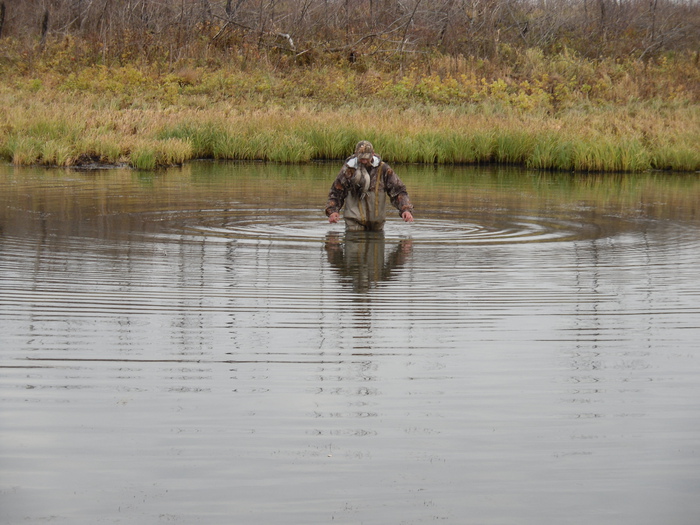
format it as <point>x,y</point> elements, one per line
<point>364,200</point>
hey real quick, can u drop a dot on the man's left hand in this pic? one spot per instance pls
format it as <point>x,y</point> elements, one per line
<point>407,216</point>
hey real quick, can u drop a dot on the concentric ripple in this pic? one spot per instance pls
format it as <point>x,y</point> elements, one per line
<point>309,227</point>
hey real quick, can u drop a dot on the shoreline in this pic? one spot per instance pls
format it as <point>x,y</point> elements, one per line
<point>97,167</point>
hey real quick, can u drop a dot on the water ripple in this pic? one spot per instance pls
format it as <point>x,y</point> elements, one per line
<point>259,225</point>
<point>172,342</point>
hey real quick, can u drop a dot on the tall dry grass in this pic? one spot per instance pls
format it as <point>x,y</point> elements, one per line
<point>555,113</point>
<point>68,132</point>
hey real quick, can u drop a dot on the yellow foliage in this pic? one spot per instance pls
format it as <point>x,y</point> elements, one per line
<point>612,115</point>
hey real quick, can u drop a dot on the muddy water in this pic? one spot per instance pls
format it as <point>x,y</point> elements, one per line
<point>199,346</point>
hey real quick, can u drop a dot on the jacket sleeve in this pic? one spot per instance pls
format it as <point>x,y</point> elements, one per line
<point>338,192</point>
<point>396,191</point>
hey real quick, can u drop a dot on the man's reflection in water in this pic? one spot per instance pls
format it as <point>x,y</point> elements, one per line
<point>360,257</point>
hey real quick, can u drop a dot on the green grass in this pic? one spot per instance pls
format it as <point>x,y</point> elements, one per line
<point>551,152</point>
<point>296,140</point>
<point>146,118</point>
<point>144,158</point>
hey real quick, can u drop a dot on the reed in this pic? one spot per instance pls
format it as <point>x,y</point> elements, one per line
<point>484,144</point>
<point>632,156</point>
<point>222,143</point>
<point>398,147</point>
<point>102,148</point>
<point>292,150</point>
<point>144,158</point>
<point>593,155</point>
<point>551,152</point>
<point>455,148</point>
<point>328,142</point>
<point>23,151</point>
<point>57,153</point>
<point>514,146</point>
<point>54,127</point>
<point>680,156</point>
<point>173,152</point>
<point>204,140</point>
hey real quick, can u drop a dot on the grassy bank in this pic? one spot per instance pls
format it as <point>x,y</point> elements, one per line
<point>559,113</point>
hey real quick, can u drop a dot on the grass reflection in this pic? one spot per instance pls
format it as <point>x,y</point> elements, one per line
<point>67,195</point>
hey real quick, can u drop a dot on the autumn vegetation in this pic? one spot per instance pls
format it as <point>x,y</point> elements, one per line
<point>585,85</point>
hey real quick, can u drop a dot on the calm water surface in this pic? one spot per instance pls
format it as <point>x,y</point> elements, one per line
<point>199,345</point>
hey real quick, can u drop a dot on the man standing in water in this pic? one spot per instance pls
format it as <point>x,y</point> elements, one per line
<point>362,186</point>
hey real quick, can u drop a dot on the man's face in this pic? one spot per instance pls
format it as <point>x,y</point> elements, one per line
<point>365,162</point>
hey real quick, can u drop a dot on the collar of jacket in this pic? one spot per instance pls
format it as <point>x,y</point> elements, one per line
<point>352,162</point>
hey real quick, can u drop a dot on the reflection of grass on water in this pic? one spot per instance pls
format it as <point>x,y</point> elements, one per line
<point>652,194</point>
<point>434,189</point>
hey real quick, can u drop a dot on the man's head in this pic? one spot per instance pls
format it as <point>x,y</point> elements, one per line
<point>364,150</point>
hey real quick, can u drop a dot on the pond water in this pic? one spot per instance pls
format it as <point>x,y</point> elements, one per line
<point>199,345</point>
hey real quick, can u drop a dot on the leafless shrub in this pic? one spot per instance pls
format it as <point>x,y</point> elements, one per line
<point>177,29</point>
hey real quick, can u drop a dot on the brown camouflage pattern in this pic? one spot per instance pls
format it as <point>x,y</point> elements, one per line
<point>389,183</point>
<point>364,150</point>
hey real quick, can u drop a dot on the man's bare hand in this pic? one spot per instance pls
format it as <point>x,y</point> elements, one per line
<point>334,217</point>
<point>407,216</point>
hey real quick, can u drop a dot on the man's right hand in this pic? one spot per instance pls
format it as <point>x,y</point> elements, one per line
<point>334,217</point>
